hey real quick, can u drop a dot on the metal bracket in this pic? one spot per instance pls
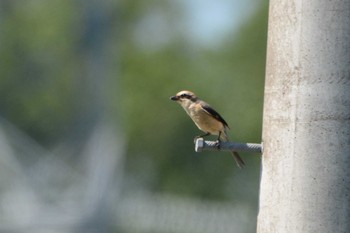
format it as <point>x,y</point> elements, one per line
<point>202,145</point>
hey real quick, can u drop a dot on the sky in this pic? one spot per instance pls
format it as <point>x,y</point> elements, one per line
<point>203,22</point>
<point>210,21</point>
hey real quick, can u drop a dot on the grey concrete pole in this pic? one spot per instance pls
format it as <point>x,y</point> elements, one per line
<point>305,183</point>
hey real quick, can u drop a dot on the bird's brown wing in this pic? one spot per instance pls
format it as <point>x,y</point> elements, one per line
<point>214,114</point>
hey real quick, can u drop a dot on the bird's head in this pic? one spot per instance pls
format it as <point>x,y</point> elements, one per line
<point>184,98</point>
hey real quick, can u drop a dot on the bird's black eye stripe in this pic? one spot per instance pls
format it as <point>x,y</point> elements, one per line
<point>185,96</point>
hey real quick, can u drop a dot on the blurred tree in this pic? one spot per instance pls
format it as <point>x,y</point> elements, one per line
<point>161,134</point>
<point>41,89</point>
<point>37,41</point>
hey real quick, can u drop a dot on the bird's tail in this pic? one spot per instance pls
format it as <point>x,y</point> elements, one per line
<point>239,161</point>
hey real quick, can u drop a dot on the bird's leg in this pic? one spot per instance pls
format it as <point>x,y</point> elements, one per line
<point>218,141</point>
<point>200,136</point>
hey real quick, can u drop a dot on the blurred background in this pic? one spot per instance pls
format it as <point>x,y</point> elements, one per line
<point>89,140</point>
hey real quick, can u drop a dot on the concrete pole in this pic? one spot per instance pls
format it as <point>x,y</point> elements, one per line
<point>305,183</point>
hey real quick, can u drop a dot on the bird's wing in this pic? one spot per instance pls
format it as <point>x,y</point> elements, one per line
<point>213,113</point>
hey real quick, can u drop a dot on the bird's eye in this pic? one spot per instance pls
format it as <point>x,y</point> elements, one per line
<point>184,96</point>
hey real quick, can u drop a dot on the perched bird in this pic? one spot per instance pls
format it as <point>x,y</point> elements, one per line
<point>206,118</point>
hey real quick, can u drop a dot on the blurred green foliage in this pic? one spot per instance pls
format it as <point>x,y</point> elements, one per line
<point>42,90</point>
<point>230,78</point>
<point>36,93</point>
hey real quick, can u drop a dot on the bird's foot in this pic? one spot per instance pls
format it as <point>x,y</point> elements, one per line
<point>200,136</point>
<point>217,144</point>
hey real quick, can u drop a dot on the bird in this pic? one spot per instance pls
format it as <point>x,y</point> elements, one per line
<point>206,119</point>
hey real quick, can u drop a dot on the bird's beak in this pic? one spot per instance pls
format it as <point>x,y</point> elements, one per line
<point>175,98</point>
